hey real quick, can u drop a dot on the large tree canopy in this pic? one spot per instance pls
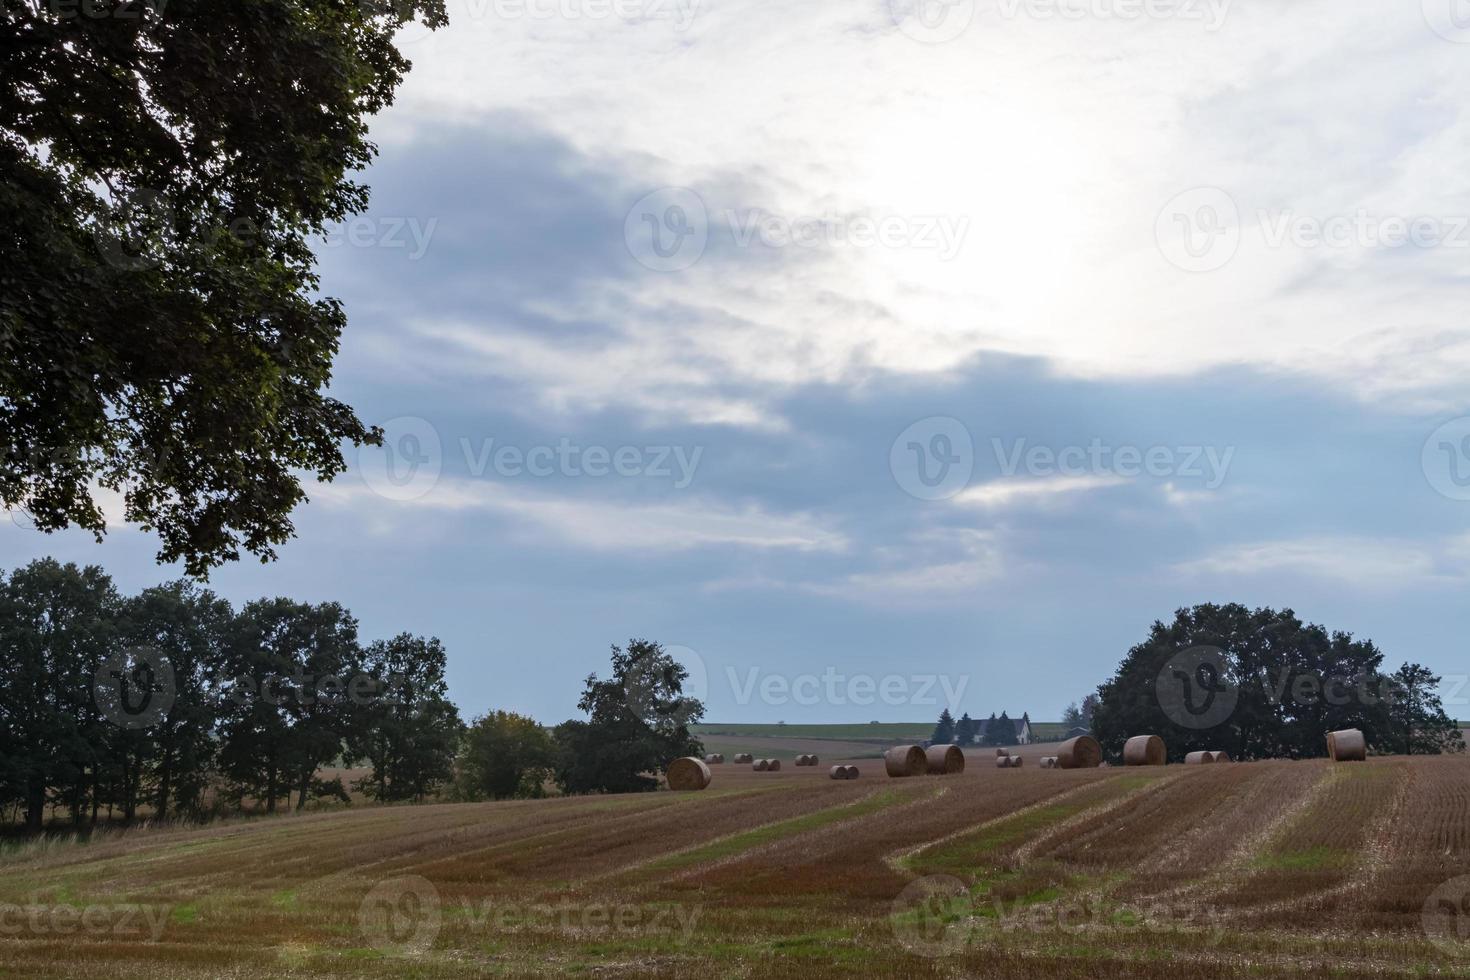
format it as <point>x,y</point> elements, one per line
<point>1263,684</point>
<point>164,166</point>
<point>638,722</point>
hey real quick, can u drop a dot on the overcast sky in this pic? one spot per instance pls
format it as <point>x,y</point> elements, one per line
<point>883,355</point>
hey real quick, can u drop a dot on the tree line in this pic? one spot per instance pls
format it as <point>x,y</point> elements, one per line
<point>174,703</point>
<point>1263,684</point>
<point>966,731</point>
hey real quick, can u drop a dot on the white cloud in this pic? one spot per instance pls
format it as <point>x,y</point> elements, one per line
<point>936,565</point>
<point>1059,140</point>
<point>1012,492</point>
<point>1368,563</point>
<point>602,525</point>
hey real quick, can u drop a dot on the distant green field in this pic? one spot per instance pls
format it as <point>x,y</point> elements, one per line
<point>887,731</point>
<point>882,732</point>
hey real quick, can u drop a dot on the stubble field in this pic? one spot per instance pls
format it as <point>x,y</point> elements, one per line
<point>1265,869</point>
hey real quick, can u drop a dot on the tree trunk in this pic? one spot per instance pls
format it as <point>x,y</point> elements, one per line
<point>165,781</point>
<point>130,788</point>
<point>35,804</point>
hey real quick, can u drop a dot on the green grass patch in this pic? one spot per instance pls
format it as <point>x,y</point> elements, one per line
<point>967,854</point>
<point>883,731</point>
<point>1312,859</point>
<point>735,844</point>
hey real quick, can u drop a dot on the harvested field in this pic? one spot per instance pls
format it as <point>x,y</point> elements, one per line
<point>1297,869</point>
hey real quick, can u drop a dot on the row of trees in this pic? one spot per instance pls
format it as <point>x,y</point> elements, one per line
<point>968,731</point>
<point>174,701</point>
<point>1263,684</point>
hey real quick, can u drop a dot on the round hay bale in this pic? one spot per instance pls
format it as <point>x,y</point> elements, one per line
<point>743,757</point>
<point>1347,745</point>
<point>1001,752</point>
<point>806,760</point>
<point>942,760</point>
<point>714,759</point>
<point>1048,762</point>
<point>1219,756</point>
<point>905,760</point>
<point>1145,750</point>
<point>1082,752</point>
<point>839,772</point>
<point>1016,761</point>
<point>773,765</point>
<point>852,772</point>
<point>1199,758</point>
<point>687,773</point>
<point>761,765</point>
<point>1002,762</point>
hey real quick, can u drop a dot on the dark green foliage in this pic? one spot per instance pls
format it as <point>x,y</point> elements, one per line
<point>1000,731</point>
<point>189,628</point>
<point>964,730</point>
<point>169,703</point>
<point>57,627</point>
<point>407,730</point>
<point>164,168</point>
<point>638,723</point>
<point>1417,724</point>
<point>285,715</point>
<point>1288,684</point>
<point>944,731</point>
<point>505,755</point>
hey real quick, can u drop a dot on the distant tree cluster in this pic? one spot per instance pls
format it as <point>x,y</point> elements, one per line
<point>173,702</point>
<point>1263,684</point>
<point>1000,731</point>
<point>637,723</point>
<point>1080,717</point>
<point>968,731</point>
